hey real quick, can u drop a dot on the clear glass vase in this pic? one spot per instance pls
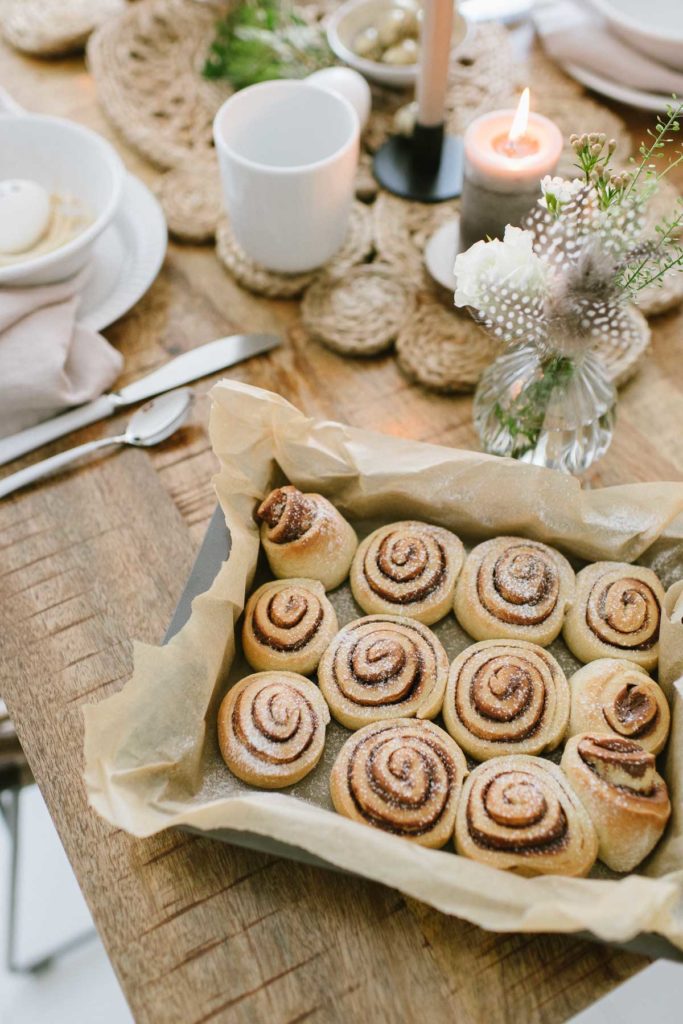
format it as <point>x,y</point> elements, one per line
<point>548,409</point>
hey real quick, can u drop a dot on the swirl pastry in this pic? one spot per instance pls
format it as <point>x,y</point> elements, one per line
<point>271,728</point>
<point>520,813</point>
<point>407,568</point>
<point>382,667</point>
<point>304,536</point>
<point>404,777</point>
<point>627,800</point>
<point>288,624</point>
<point>615,696</point>
<point>506,697</point>
<point>616,614</point>
<point>514,589</point>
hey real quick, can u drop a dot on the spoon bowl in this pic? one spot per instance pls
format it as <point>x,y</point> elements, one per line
<point>158,419</point>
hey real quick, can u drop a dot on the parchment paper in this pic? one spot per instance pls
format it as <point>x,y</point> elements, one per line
<point>151,756</point>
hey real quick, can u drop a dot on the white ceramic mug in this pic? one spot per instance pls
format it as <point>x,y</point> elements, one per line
<point>288,153</point>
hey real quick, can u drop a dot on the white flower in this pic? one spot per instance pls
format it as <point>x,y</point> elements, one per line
<point>488,265</point>
<point>559,190</point>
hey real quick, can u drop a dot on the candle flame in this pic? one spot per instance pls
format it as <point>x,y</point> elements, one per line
<point>520,121</point>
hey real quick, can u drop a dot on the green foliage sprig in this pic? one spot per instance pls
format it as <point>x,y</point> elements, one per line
<point>265,39</point>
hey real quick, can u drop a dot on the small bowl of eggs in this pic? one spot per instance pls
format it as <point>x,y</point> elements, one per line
<point>380,38</point>
<point>60,186</point>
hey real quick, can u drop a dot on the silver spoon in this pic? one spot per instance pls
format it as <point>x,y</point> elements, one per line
<point>153,423</point>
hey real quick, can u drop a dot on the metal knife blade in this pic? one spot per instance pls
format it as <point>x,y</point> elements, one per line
<point>190,366</point>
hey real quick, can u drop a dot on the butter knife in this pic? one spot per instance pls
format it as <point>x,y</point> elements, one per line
<point>198,362</point>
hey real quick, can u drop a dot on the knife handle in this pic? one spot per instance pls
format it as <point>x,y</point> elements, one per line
<point>25,441</point>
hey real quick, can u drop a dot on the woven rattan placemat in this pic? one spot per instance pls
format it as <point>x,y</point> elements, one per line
<point>376,292</point>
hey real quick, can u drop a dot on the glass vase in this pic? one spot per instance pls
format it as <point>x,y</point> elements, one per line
<point>548,409</point>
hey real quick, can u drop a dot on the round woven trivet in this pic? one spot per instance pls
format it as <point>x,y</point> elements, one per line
<point>356,248</point>
<point>147,66</point>
<point>359,314</point>
<point>657,299</point>
<point>191,201</point>
<point>444,349</point>
<point>402,230</point>
<point>50,28</point>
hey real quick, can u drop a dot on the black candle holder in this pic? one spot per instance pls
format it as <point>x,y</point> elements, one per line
<point>426,166</point>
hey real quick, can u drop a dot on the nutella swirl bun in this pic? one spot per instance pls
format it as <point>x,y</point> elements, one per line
<point>520,813</point>
<point>271,728</point>
<point>616,614</point>
<point>407,568</point>
<point>506,697</point>
<point>403,777</point>
<point>304,536</point>
<point>514,589</point>
<point>288,624</point>
<point>615,696</point>
<point>627,800</point>
<point>382,667</point>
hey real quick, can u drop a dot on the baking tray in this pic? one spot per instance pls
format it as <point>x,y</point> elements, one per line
<point>213,552</point>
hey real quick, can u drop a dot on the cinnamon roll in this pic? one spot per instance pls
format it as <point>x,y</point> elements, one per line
<point>616,614</point>
<point>506,697</point>
<point>304,536</point>
<point>407,568</point>
<point>520,813</point>
<point>271,728</point>
<point>288,624</point>
<point>615,696</point>
<point>514,589</point>
<point>403,777</point>
<point>627,800</point>
<point>382,667</point>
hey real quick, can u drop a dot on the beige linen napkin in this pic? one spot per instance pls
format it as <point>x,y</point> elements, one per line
<point>47,360</point>
<point>572,34</point>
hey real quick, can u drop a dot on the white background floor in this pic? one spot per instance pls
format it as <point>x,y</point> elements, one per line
<point>80,987</point>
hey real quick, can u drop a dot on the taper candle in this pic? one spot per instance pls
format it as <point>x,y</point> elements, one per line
<point>432,78</point>
<point>507,152</point>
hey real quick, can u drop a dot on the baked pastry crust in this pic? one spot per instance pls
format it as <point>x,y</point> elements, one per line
<point>287,625</point>
<point>506,697</point>
<point>614,696</point>
<point>515,589</point>
<point>306,537</point>
<point>616,614</point>
<point>381,667</point>
<point>407,568</point>
<point>520,813</point>
<point>627,800</point>
<point>271,728</point>
<point>404,777</point>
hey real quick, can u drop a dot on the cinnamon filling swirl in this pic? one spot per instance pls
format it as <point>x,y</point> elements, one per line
<point>384,663</point>
<point>404,566</point>
<point>274,723</point>
<point>288,620</point>
<point>624,613</point>
<point>620,763</point>
<point>288,513</point>
<point>634,711</point>
<point>401,781</point>
<point>521,586</point>
<point>515,812</point>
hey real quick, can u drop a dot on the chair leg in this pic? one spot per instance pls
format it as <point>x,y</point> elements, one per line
<point>9,805</point>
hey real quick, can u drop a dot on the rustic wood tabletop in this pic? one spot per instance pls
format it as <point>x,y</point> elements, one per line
<point>196,930</point>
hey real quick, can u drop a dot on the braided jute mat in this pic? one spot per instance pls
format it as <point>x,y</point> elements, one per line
<point>375,293</point>
<point>51,28</point>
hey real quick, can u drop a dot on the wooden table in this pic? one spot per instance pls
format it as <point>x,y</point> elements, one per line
<point>198,931</point>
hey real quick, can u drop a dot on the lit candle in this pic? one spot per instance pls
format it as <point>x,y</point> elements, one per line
<point>435,46</point>
<point>507,152</point>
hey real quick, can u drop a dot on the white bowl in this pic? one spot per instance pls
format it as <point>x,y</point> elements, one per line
<point>355,15</point>
<point>68,159</point>
<point>655,27</point>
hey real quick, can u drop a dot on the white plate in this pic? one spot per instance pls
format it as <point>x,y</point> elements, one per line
<point>440,253</point>
<point>615,91</point>
<point>126,258</point>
